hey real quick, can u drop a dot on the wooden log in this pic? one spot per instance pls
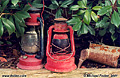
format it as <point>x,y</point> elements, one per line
<point>78,73</point>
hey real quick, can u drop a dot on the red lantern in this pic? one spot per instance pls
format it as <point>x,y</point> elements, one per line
<point>32,51</point>
<point>60,48</point>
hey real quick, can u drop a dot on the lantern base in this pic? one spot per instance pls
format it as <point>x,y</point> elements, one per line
<point>60,66</point>
<point>29,62</point>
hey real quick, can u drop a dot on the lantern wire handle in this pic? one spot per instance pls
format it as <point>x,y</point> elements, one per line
<point>29,4</point>
<point>42,12</point>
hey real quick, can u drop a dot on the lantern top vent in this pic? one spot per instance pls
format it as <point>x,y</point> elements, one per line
<point>34,10</point>
<point>60,19</point>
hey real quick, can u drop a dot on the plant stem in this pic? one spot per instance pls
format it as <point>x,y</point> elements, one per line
<point>1,14</point>
<point>65,12</point>
<point>49,12</point>
<point>101,2</point>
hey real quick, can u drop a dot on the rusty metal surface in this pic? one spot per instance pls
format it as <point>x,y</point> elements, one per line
<point>101,53</point>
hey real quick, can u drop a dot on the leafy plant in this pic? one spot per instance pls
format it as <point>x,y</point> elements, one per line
<point>110,10</point>
<point>105,17</point>
<point>82,19</point>
<point>34,3</point>
<point>12,15</point>
<point>59,6</point>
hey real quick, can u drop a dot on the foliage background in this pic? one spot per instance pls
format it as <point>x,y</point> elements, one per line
<point>96,20</point>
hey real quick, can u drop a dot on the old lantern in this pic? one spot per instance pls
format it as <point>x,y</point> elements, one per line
<point>32,42</point>
<point>60,48</point>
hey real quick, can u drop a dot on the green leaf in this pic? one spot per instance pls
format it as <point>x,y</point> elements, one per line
<point>55,2</point>
<point>0,8</point>
<point>74,20</point>
<point>85,2</point>
<point>1,28</point>
<point>87,17</point>
<point>12,23</point>
<point>26,8</point>
<point>113,1</point>
<point>91,30</point>
<point>60,2</point>
<point>37,1</point>
<point>37,5</point>
<point>118,30</point>
<point>74,15</point>
<point>66,3</point>
<point>103,23</point>
<point>115,19</point>
<point>79,32</point>
<point>114,37</point>
<point>1,42</point>
<point>53,6</point>
<point>118,1</point>
<point>8,25</point>
<point>84,29</point>
<point>75,7</point>
<point>9,43</point>
<point>18,34</point>
<point>20,20</point>
<point>14,2</point>
<point>102,32</point>
<point>23,14</point>
<point>81,4</point>
<point>109,13</point>
<point>96,7</point>
<point>81,12</point>
<point>94,16</point>
<point>112,29</point>
<point>5,4</point>
<point>107,3</point>
<point>58,13</point>
<point>19,29</point>
<point>77,26</point>
<point>104,10</point>
<point>118,9</point>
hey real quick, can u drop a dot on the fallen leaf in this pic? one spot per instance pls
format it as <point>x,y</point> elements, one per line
<point>15,52</point>
<point>3,59</point>
<point>3,54</point>
<point>83,67</point>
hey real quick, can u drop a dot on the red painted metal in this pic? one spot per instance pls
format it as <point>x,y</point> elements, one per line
<point>64,62</point>
<point>30,63</point>
<point>60,27</point>
<point>33,20</point>
<point>60,36</point>
<point>60,66</point>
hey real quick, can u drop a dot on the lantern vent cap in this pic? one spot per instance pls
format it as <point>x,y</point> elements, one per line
<point>61,19</point>
<point>34,10</point>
